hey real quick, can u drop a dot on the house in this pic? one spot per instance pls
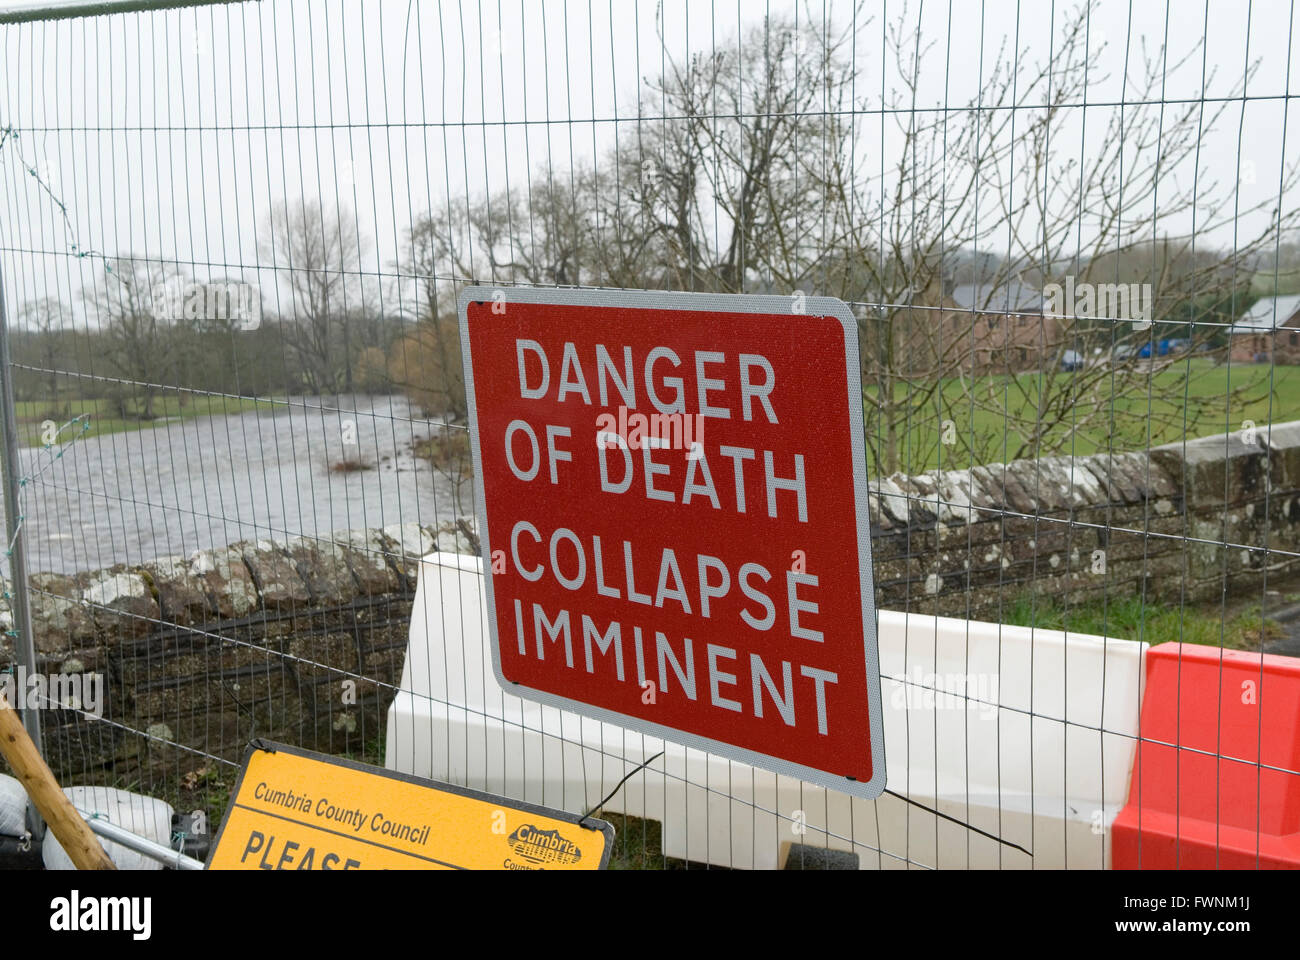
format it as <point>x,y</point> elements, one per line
<point>1004,328</point>
<point>1269,332</point>
<point>968,328</point>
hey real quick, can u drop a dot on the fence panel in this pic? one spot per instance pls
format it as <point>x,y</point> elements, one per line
<point>231,238</point>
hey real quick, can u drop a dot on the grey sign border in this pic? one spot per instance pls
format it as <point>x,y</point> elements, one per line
<point>712,303</point>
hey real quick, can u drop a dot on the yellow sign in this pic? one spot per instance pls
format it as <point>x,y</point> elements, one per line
<point>297,810</point>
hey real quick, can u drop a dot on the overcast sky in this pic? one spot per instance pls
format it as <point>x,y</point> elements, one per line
<point>169,134</point>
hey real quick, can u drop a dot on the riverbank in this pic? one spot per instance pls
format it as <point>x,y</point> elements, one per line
<point>103,415</point>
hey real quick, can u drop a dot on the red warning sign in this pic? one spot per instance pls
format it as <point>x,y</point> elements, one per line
<point>672,505</point>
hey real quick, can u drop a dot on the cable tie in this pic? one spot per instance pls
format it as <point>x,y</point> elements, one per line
<point>645,763</point>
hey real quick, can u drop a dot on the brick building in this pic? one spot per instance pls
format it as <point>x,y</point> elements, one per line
<point>1269,332</point>
<point>971,328</point>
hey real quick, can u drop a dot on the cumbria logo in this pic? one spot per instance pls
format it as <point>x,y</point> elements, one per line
<point>543,846</point>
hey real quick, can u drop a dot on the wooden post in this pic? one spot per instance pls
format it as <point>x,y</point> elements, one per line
<point>60,815</point>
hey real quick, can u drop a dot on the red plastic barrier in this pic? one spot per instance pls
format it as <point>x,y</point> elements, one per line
<point>1226,796</point>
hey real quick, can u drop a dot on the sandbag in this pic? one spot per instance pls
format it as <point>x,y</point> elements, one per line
<point>13,807</point>
<point>144,816</point>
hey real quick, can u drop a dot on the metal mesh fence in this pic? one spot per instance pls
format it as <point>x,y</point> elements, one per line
<point>231,238</point>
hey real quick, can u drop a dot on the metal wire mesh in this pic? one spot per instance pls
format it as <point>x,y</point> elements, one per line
<point>231,238</point>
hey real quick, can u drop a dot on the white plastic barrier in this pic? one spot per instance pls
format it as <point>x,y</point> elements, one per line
<point>995,751</point>
<point>144,816</point>
<point>13,807</point>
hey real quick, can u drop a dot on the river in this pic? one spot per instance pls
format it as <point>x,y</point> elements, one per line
<point>208,481</point>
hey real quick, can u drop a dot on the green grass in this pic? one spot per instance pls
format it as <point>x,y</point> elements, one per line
<point>104,418</point>
<point>1139,421</point>
<point>1130,618</point>
<point>372,751</point>
<point>638,844</point>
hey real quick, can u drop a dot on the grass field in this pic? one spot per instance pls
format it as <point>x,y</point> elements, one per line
<point>1271,395</point>
<point>104,418</point>
<point>1129,618</point>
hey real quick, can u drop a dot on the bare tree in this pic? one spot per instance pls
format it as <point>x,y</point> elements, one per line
<point>1007,173</point>
<point>47,319</point>
<point>318,253</point>
<point>753,169</point>
<point>763,178</point>
<point>140,345</point>
<point>425,359</point>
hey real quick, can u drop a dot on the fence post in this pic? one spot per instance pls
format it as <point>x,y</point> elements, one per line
<point>10,472</point>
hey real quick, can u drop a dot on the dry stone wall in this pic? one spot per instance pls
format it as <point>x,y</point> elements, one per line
<point>1185,521</point>
<point>299,639</point>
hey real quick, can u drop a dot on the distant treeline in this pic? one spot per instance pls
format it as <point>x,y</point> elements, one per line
<point>57,366</point>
